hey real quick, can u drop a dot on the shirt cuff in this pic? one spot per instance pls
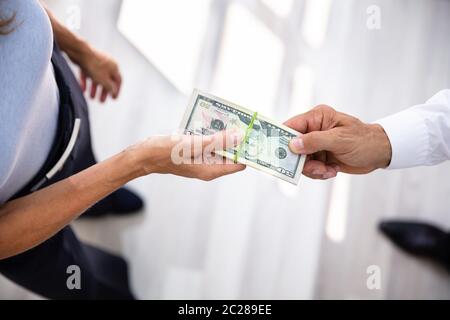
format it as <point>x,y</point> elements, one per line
<point>408,136</point>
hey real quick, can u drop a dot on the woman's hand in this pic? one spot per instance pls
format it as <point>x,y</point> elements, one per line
<point>187,156</point>
<point>99,68</point>
<point>102,71</point>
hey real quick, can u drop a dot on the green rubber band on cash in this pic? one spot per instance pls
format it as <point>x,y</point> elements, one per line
<point>247,133</point>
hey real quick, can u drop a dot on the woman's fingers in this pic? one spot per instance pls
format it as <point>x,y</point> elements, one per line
<point>221,141</point>
<point>194,155</point>
<point>109,88</point>
<point>104,90</point>
<point>103,95</point>
<point>83,80</point>
<point>203,149</point>
<point>117,80</point>
<point>226,139</point>
<point>93,89</point>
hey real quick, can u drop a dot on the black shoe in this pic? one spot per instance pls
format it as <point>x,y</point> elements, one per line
<point>419,239</point>
<point>110,274</point>
<point>120,202</point>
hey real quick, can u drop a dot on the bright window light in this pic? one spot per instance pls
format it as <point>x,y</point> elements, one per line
<point>249,62</point>
<point>315,21</point>
<point>302,90</point>
<point>280,7</point>
<point>169,33</point>
<point>338,210</point>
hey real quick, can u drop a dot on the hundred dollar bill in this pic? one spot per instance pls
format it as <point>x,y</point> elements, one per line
<point>265,146</point>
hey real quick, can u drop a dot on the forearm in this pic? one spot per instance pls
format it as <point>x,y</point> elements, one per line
<point>73,45</point>
<point>30,220</point>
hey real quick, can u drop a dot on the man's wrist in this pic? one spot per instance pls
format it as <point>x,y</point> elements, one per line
<point>383,146</point>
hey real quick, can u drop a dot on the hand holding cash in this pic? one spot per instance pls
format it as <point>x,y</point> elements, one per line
<point>338,142</point>
<point>265,144</point>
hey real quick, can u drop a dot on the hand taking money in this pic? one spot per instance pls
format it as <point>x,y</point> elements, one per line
<point>265,145</point>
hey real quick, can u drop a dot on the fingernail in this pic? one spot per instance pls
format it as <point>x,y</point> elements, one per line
<point>297,144</point>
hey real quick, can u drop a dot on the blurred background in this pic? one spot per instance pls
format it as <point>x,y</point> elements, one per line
<point>249,235</point>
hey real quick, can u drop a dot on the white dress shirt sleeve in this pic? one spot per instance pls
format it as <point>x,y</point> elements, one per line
<point>420,135</point>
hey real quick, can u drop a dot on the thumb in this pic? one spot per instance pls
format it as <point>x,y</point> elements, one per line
<point>313,142</point>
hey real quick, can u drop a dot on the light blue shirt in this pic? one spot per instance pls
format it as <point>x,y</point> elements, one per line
<point>28,95</point>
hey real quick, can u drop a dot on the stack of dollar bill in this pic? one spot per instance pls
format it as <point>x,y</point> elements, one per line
<point>265,146</point>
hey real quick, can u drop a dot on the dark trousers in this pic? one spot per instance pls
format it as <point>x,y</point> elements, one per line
<point>47,268</point>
